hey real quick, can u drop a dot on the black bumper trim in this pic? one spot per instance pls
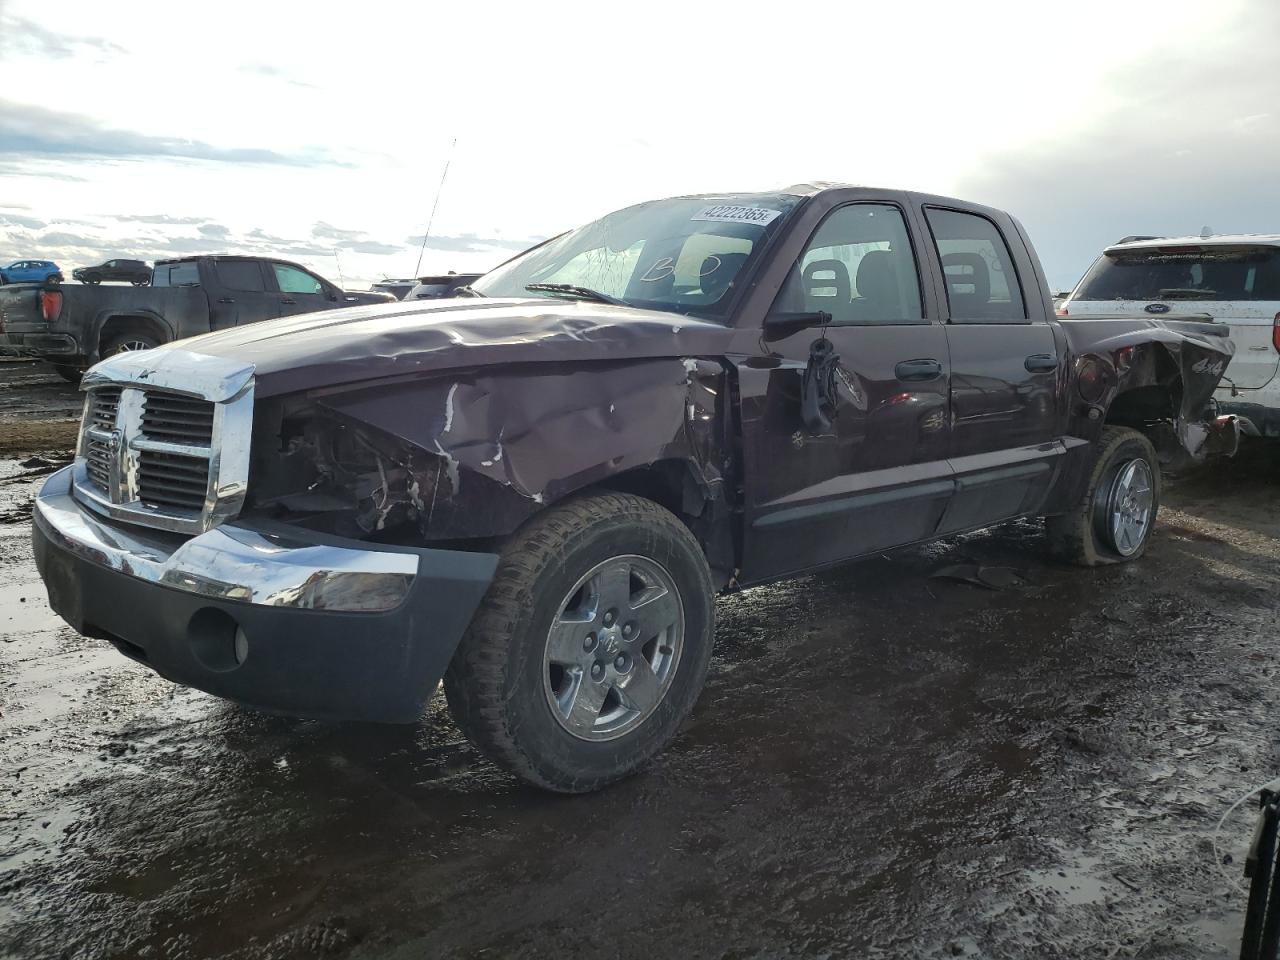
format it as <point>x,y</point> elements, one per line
<point>311,663</point>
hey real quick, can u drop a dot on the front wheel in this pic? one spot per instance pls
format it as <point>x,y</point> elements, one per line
<point>591,645</point>
<point>1113,521</point>
<point>69,372</point>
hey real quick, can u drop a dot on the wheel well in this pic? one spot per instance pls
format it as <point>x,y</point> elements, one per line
<point>115,326</point>
<point>674,485</point>
<point>1158,399</point>
<point>1139,407</point>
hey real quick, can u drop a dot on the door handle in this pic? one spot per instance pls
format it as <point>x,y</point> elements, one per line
<point>918,370</point>
<point>1041,363</point>
<point>226,300</point>
<point>287,300</point>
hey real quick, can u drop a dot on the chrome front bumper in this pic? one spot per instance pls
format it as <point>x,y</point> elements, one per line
<point>230,562</point>
<point>280,619</point>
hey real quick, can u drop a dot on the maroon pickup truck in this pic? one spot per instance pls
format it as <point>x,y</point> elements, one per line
<point>535,492</point>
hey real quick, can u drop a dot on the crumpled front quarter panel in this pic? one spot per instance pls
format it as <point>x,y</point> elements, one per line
<point>513,439</point>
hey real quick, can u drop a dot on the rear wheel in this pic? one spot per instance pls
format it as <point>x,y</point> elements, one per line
<point>127,341</point>
<point>591,645</point>
<point>1113,521</point>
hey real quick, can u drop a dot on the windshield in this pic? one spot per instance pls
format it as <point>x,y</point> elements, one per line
<point>679,254</point>
<point>1170,273</point>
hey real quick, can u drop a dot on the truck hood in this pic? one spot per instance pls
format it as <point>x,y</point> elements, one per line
<point>378,341</point>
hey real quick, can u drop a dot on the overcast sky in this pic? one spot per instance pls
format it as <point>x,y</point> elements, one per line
<point>142,129</point>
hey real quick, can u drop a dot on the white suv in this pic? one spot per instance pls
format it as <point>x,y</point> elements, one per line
<point>1234,279</point>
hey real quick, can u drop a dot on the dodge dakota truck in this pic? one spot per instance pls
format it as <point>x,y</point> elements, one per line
<point>534,492</point>
<point>75,325</point>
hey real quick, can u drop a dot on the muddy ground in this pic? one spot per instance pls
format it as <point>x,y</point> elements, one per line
<point>884,764</point>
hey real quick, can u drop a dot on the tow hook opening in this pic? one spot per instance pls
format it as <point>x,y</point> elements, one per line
<point>217,641</point>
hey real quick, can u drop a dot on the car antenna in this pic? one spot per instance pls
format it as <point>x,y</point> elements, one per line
<point>431,219</point>
<point>341,282</point>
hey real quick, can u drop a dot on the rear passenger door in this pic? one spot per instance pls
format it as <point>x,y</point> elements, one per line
<point>299,291</point>
<point>241,295</point>
<point>1004,370</point>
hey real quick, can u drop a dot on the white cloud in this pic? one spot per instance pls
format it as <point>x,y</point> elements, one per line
<point>561,111</point>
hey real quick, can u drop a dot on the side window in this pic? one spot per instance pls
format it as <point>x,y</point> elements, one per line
<point>982,284</point>
<point>243,275</point>
<point>858,267</point>
<point>293,280</point>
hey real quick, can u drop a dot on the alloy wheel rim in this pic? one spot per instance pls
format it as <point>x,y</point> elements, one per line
<point>613,648</point>
<point>1129,507</point>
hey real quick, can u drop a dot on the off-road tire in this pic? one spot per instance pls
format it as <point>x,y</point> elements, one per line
<point>1075,537</point>
<point>494,685</point>
<point>115,344</point>
<point>69,372</point>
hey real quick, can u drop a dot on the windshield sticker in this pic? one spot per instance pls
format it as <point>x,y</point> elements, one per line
<point>733,213</point>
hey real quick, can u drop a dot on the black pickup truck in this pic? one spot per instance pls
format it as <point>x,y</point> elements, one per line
<point>535,491</point>
<point>75,325</point>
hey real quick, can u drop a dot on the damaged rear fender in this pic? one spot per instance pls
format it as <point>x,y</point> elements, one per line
<point>1156,379</point>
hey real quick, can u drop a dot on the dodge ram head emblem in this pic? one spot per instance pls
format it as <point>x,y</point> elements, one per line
<point>115,441</point>
<point>1156,308</point>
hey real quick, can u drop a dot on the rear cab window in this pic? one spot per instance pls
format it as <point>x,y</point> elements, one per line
<point>1184,272</point>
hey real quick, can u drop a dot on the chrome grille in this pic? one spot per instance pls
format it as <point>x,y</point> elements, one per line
<point>97,463</point>
<point>165,439</point>
<point>102,406</point>
<point>104,403</point>
<point>172,480</point>
<point>177,419</point>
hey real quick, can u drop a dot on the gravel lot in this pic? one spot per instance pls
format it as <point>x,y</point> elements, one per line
<point>884,764</point>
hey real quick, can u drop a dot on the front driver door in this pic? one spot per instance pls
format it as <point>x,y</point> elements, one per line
<point>877,476</point>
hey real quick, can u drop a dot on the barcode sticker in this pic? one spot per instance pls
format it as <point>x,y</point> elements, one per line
<point>735,213</point>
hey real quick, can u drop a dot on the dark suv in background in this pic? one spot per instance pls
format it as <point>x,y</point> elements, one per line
<point>130,271</point>
<point>438,288</point>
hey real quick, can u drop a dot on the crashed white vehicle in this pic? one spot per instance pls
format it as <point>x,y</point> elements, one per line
<point>1233,279</point>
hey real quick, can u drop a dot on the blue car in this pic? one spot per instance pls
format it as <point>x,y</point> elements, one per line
<point>30,271</point>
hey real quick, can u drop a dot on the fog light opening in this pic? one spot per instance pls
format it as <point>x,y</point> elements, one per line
<point>217,641</point>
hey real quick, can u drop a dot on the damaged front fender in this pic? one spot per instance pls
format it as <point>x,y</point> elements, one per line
<point>471,456</point>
